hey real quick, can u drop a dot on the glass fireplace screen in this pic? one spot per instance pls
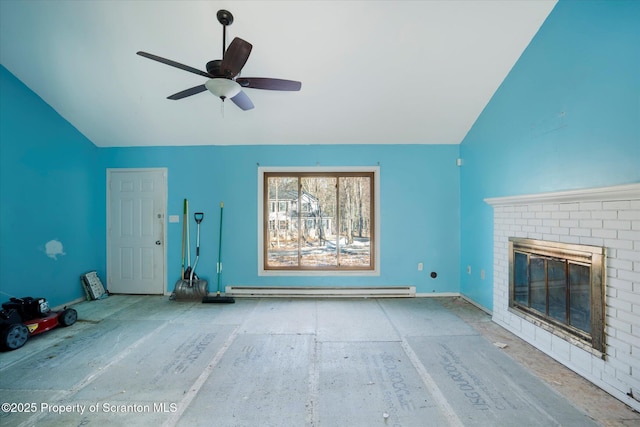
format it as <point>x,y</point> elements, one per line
<point>560,285</point>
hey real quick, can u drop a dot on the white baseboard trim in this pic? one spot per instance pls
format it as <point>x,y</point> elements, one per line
<point>437,294</point>
<point>324,291</point>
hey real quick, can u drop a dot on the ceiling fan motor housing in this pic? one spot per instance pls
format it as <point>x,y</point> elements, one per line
<point>213,67</point>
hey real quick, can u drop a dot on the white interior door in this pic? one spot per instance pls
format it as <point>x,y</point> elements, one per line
<point>136,208</point>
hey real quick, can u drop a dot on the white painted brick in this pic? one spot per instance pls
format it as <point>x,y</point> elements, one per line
<point>617,302</point>
<point>629,318</point>
<point>619,367</point>
<point>569,223</point>
<point>560,215</point>
<point>620,263</point>
<point>605,233</point>
<point>543,340</point>
<point>528,330</point>
<point>580,232</point>
<point>626,337</point>
<point>630,297</point>
<point>614,224</point>
<point>619,326</point>
<point>591,223</point>
<point>630,255</point>
<point>629,235</point>
<point>561,348</point>
<point>604,214</point>
<point>618,244</point>
<point>569,206</point>
<point>631,276</point>
<point>619,346</point>
<point>618,204</point>
<point>614,382</point>
<point>617,224</point>
<point>543,215</point>
<point>580,214</point>
<point>560,230</point>
<point>634,382</point>
<point>570,239</point>
<point>627,359</point>
<point>594,241</point>
<point>580,359</point>
<point>590,206</point>
<point>630,215</point>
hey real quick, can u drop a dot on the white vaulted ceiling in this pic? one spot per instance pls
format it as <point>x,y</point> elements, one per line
<point>372,72</point>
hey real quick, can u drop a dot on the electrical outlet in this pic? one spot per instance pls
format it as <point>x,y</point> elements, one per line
<point>420,266</point>
<point>482,274</point>
<point>468,269</point>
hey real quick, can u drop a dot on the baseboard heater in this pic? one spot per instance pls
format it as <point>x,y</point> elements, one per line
<point>344,292</point>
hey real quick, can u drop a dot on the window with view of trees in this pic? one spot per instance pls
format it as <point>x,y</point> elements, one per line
<point>318,221</point>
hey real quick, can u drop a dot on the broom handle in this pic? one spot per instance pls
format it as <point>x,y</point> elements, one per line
<point>220,247</point>
<point>184,234</point>
<point>188,234</point>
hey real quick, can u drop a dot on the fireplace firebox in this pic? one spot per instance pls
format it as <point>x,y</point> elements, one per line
<point>561,288</point>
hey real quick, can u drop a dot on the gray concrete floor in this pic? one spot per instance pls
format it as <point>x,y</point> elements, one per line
<point>136,360</point>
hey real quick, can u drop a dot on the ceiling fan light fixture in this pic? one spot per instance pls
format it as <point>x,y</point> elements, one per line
<point>223,88</point>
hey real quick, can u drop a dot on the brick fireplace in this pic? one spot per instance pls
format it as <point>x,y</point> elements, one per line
<point>600,217</point>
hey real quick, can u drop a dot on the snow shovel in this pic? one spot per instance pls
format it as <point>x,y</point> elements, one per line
<point>219,299</point>
<point>193,288</point>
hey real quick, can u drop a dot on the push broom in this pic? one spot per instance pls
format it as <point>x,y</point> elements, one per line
<point>218,299</point>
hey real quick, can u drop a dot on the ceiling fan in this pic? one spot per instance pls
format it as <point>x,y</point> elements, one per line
<point>223,74</point>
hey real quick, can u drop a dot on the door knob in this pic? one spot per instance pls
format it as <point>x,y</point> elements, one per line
<point>158,242</point>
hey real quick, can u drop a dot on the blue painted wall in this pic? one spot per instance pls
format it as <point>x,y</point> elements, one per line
<point>566,117</point>
<point>419,207</point>
<point>49,190</point>
<point>53,187</point>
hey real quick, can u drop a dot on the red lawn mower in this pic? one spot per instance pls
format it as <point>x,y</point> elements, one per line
<point>21,318</point>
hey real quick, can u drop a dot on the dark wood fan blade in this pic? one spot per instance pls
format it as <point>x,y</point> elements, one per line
<point>235,57</point>
<point>175,64</point>
<point>242,101</point>
<point>188,92</point>
<point>268,84</point>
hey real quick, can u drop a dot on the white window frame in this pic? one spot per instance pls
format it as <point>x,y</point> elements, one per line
<point>376,177</point>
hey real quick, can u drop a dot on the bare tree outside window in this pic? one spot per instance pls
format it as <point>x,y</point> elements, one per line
<point>318,221</point>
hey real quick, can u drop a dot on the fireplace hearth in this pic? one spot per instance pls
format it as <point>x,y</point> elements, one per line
<point>554,300</point>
